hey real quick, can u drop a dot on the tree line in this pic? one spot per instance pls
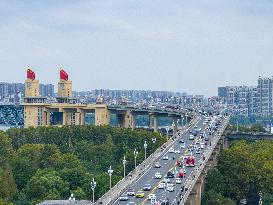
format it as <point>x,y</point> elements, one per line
<point>52,162</point>
<point>243,171</point>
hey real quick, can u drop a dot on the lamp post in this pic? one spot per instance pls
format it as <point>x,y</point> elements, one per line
<point>135,154</point>
<point>177,121</point>
<point>72,198</point>
<point>93,186</point>
<point>124,165</point>
<point>186,118</point>
<point>167,130</point>
<point>145,149</point>
<point>110,172</point>
<point>173,126</point>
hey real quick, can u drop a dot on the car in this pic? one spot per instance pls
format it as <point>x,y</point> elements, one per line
<point>178,181</point>
<point>178,163</point>
<point>131,203</point>
<point>123,198</point>
<point>164,201</point>
<point>198,150</point>
<point>191,137</point>
<point>151,196</point>
<point>140,194</point>
<point>195,126</point>
<point>177,151</point>
<point>170,187</point>
<point>165,157</point>
<point>161,185</point>
<point>170,175</point>
<point>171,150</point>
<point>157,165</point>
<point>147,187</point>
<point>157,175</point>
<point>202,145</point>
<point>166,180</point>
<point>181,141</point>
<point>131,192</point>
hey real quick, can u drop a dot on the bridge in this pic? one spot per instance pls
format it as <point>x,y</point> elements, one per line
<point>191,186</point>
<point>65,109</point>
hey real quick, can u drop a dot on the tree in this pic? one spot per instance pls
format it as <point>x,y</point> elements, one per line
<point>7,183</point>
<point>46,184</point>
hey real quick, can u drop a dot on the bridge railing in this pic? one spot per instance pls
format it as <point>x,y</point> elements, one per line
<point>200,165</point>
<point>112,195</point>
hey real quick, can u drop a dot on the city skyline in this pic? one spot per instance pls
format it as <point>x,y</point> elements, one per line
<point>191,47</point>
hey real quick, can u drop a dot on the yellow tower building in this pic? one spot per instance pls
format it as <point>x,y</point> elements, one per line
<point>34,104</point>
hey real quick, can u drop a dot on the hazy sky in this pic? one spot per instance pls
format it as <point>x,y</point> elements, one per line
<point>177,45</point>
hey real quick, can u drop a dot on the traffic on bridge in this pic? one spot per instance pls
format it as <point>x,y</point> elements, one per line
<point>172,174</point>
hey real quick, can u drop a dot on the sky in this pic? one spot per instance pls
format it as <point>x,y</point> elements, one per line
<point>175,45</point>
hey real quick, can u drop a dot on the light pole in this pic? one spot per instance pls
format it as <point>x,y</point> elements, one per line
<point>93,186</point>
<point>124,165</point>
<point>110,172</point>
<point>167,130</point>
<point>135,154</point>
<point>186,118</point>
<point>173,125</point>
<point>145,149</point>
<point>177,121</point>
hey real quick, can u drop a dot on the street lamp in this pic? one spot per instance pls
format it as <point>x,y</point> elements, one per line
<point>145,148</point>
<point>72,198</point>
<point>173,125</point>
<point>135,154</point>
<point>175,174</point>
<point>110,172</point>
<point>93,186</point>
<point>124,163</point>
<point>167,130</point>
<point>186,118</point>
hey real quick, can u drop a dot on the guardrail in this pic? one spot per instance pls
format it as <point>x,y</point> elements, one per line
<point>202,163</point>
<point>112,195</point>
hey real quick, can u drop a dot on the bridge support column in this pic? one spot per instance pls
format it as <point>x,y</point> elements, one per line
<point>129,120</point>
<point>102,116</point>
<point>150,121</point>
<point>64,118</point>
<point>155,122</point>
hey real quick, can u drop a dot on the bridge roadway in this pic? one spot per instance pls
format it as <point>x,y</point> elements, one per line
<point>166,165</point>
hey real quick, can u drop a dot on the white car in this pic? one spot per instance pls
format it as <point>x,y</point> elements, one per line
<point>170,187</point>
<point>191,137</point>
<point>202,145</point>
<point>161,185</point>
<point>150,196</point>
<point>157,175</point>
<point>183,145</point>
<point>165,157</point>
<point>171,150</point>
<point>166,180</point>
<point>178,181</point>
<point>123,198</point>
<point>177,151</point>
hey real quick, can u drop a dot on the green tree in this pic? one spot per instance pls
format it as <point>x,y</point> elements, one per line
<point>46,184</point>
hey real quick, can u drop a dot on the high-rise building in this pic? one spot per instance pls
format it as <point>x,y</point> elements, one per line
<point>249,100</point>
<point>46,90</point>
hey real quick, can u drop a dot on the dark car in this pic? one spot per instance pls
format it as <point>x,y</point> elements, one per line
<point>170,175</point>
<point>181,141</point>
<point>147,187</point>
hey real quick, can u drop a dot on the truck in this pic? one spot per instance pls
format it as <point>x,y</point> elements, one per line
<point>190,161</point>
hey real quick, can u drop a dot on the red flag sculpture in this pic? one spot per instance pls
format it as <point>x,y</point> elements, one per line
<point>30,74</point>
<point>63,75</point>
